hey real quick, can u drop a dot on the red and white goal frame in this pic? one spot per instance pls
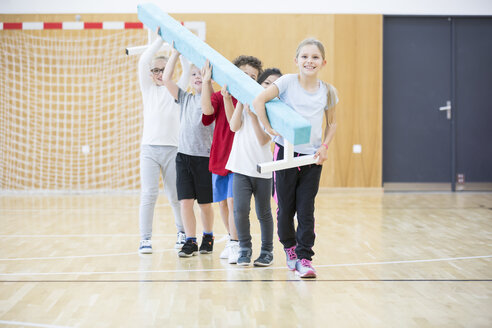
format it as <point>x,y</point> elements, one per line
<point>199,28</point>
<point>70,105</point>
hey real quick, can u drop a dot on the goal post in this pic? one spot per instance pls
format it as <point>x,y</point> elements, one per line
<point>70,107</point>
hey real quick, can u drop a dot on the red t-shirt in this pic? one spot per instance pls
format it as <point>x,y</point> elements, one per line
<point>223,136</point>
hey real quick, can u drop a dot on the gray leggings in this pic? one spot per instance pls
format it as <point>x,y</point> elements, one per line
<point>243,188</point>
<point>154,161</point>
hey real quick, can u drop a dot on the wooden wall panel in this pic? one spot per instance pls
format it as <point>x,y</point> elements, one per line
<point>353,46</point>
<point>358,78</point>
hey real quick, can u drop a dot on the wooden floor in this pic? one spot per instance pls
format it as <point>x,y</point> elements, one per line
<point>383,260</point>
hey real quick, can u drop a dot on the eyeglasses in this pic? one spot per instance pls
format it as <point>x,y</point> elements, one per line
<point>156,71</point>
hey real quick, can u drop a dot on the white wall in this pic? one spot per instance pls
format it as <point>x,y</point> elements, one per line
<point>394,7</point>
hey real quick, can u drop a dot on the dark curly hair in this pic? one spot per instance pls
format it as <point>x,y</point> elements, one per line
<point>251,61</point>
<point>267,73</point>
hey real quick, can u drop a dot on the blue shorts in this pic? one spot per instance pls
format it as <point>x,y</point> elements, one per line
<point>222,186</point>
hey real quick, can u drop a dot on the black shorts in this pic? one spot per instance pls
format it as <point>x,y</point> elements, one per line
<point>193,179</point>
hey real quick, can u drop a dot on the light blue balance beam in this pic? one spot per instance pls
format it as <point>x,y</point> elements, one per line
<point>289,124</point>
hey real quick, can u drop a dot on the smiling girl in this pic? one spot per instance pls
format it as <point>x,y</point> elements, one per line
<point>297,187</point>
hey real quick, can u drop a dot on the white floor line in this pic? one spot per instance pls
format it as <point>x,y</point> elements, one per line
<point>103,235</point>
<point>80,256</point>
<point>108,235</point>
<point>29,324</point>
<point>405,262</point>
<point>81,235</point>
<point>239,268</point>
<point>93,255</point>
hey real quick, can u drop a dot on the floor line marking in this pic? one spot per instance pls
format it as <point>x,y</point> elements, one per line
<point>30,324</point>
<point>406,261</point>
<point>97,235</point>
<point>237,269</point>
<point>93,255</point>
<point>80,256</point>
<point>242,280</point>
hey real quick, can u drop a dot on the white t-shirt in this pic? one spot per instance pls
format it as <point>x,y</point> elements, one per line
<point>160,111</point>
<point>247,153</point>
<point>310,105</point>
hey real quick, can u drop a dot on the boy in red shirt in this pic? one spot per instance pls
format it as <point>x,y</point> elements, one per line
<point>213,104</point>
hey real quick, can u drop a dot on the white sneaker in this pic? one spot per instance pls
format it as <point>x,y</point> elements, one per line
<point>145,246</point>
<point>233,252</point>
<point>225,252</point>
<point>181,240</point>
<point>304,269</point>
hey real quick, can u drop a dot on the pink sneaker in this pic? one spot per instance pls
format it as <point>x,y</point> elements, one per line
<point>304,269</point>
<point>291,257</point>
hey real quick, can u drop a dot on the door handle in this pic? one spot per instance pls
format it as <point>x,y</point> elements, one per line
<point>447,108</point>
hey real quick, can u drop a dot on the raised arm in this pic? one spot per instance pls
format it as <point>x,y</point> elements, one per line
<point>144,62</point>
<point>261,135</point>
<point>185,74</point>
<point>236,119</point>
<point>167,76</point>
<point>259,106</point>
<point>331,127</point>
<point>228,105</point>
<point>207,107</point>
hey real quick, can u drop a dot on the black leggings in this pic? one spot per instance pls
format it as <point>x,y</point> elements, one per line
<point>296,190</point>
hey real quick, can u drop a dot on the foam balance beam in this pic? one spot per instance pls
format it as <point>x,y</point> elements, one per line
<point>283,119</point>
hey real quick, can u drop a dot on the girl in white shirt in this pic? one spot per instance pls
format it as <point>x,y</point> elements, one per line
<point>296,188</point>
<point>159,142</point>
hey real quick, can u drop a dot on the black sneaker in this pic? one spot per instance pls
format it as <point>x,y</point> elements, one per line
<point>189,249</point>
<point>244,258</point>
<point>265,259</point>
<point>207,245</point>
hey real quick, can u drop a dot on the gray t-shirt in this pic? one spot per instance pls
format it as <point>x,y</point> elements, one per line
<point>311,106</point>
<point>195,139</point>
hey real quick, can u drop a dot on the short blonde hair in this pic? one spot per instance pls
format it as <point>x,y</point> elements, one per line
<point>312,41</point>
<point>157,58</point>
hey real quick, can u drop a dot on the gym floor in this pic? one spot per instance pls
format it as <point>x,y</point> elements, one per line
<point>383,260</point>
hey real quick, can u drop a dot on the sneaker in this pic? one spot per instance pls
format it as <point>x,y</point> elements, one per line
<point>304,269</point>
<point>207,245</point>
<point>244,257</point>
<point>225,253</point>
<point>145,246</point>
<point>291,257</point>
<point>233,252</point>
<point>189,249</point>
<point>180,240</point>
<point>265,259</point>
